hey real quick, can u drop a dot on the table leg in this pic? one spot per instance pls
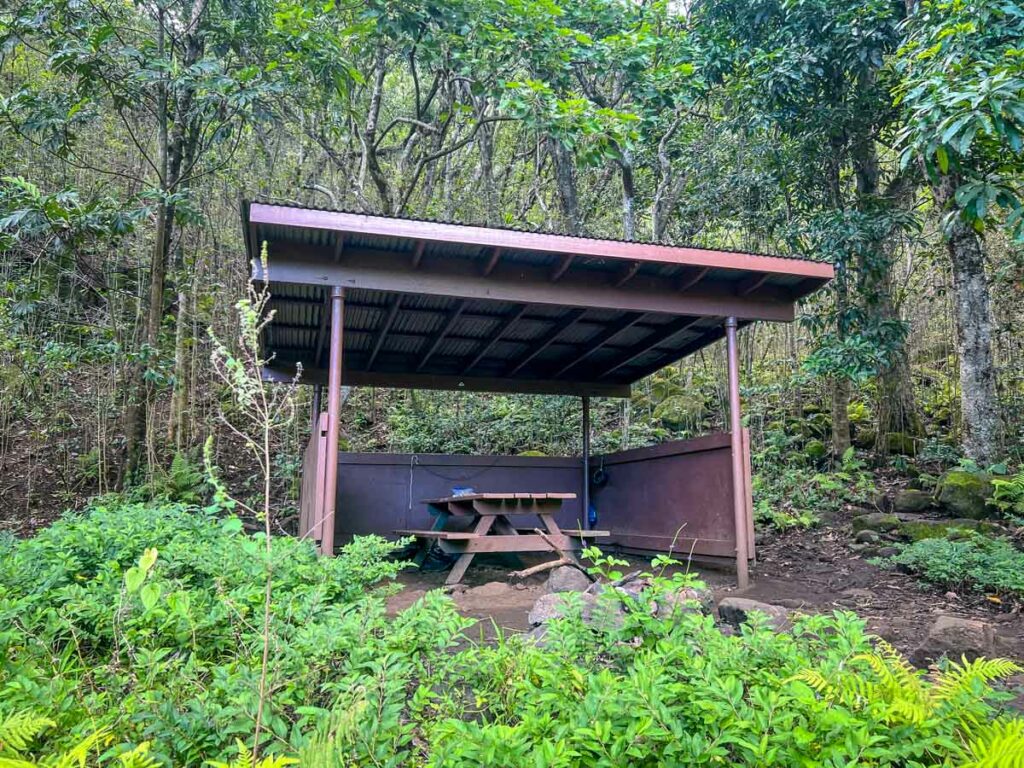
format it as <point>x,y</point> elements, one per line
<point>440,519</point>
<point>483,525</point>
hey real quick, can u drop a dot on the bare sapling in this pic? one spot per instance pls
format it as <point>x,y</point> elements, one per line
<point>260,410</point>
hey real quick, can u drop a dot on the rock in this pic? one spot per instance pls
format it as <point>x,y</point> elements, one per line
<point>876,521</point>
<point>955,637</point>
<point>736,610</point>
<point>915,530</point>
<point>910,500</point>
<point>686,600</point>
<point>887,552</point>
<point>815,450</point>
<point>602,614</point>
<point>963,494</point>
<point>538,635</point>
<point>548,607</point>
<point>632,587</point>
<point>952,596</point>
<point>900,443</point>
<point>567,579</point>
<point>880,501</point>
<point>490,589</point>
<point>867,537</point>
<point>865,438</point>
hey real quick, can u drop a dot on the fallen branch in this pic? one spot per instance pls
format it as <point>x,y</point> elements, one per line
<point>564,558</point>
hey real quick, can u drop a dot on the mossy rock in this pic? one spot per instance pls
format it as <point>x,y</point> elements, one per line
<point>537,454</point>
<point>924,482</point>
<point>815,450</point>
<point>865,438</point>
<point>810,408</point>
<point>911,500</point>
<point>876,521</point>
<point>901,444</point>
<point>963,494</point>
<point>916,530</point>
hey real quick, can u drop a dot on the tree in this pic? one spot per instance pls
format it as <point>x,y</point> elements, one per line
<point>962,92</point>
<point>808,76</point>
<point>171,76</point>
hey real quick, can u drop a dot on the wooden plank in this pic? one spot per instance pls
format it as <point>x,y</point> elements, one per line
<point>431,534</point>
<point>499,543</point>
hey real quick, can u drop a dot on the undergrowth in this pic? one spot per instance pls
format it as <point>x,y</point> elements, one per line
<point>968,561</point>
<point>129,636</point>
<point>793,490</point>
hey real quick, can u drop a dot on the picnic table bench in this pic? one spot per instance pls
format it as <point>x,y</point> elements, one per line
<point>490,530</point>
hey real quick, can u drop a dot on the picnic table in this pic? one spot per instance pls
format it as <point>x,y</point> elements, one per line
<point>490,530</point>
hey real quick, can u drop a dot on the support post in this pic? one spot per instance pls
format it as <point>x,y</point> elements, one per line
<point>585,496</point>
<point>739,504</point>
<point>333,419</point>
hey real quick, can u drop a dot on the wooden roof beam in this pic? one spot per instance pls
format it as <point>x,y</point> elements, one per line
<point>321,334</point>
<point>512,319</point>
<point>449,322</point>
<point>627,321</point>
<point>652,342</point>
<point>382,332</point>
<point>691,277</point>
<point>562,267</point>
<point>628,273</point>
<point>492,262</point>
<point>566,322</point>
<point>748,285</point>
<point>417,253</point>
<point>339,246</point>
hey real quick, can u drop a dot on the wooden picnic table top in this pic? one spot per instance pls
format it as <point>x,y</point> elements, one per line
<point>501,497</point>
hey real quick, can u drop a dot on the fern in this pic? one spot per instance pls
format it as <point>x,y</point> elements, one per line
<point>246,759</point>
<point>19,730</point>
<point>996,745</point>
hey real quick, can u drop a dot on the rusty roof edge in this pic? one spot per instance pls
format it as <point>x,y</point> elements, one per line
<point>290,215</point>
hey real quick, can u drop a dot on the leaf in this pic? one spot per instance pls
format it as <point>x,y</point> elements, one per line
<point>150,595</point>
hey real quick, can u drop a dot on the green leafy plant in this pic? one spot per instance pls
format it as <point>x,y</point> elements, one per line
<point>970,560</point>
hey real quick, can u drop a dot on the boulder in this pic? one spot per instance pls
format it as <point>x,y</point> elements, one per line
<point>567,579</point>
<point>736,611</point>
<point>867,536</point>
<point>887,551</point>
<point>954,637</point>
<point>876,521</point>
<point>963,494</point>
<point>865,438</point>
<point>815,450</point>
<point>686,600</point>
<point>901,444</point>
<point>915,530</point>
<point>911,500</point>
<point>600,613</point>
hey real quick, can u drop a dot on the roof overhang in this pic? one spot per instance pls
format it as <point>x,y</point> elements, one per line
<point>447,306</point>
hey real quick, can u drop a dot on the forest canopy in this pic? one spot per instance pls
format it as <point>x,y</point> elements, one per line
<point>885,137</point>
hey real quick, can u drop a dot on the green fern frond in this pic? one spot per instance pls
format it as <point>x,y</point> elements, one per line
<point>138,757</point>
<point>245,759</point>
<point>960,678</point>
<point>17,731</point>
<point>996,745</point>
<point>77,756</point>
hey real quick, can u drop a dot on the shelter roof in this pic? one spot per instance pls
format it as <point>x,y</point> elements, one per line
<point>433,304</point>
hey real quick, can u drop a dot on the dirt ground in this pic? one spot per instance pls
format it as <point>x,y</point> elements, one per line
<point>813,571</point>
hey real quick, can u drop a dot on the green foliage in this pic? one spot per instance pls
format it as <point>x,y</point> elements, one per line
<point>962,85</point>
<point>97,630</point>
<point>1008,495</point>
<point>967,561</point>
<point>789,490</point>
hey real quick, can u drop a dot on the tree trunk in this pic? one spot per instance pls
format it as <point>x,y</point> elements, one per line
<point>565,181</point>
<point>628,196</point>
<point>841,389</point>
<point>978,399</point>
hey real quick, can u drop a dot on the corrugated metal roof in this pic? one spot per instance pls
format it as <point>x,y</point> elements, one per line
<point>446,340</point>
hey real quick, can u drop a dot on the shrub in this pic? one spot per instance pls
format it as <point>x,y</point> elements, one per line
<point>972,561</point>
<point>174,662</point>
